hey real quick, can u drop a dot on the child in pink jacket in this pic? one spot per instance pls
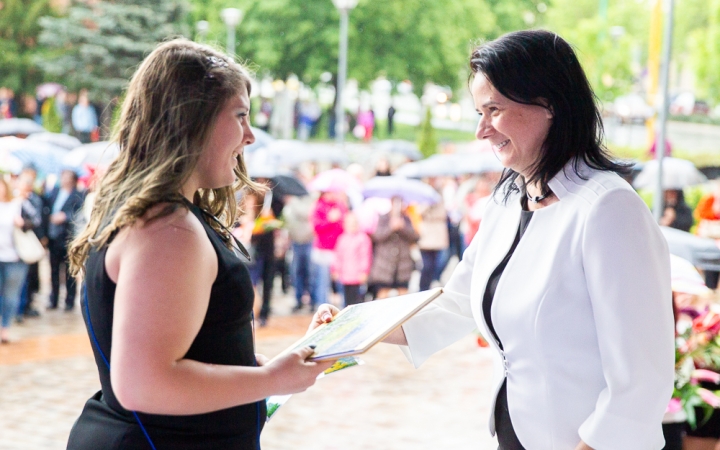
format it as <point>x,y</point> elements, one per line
<point>353,258</point>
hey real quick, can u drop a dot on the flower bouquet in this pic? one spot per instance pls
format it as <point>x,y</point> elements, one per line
<point>697,356</point>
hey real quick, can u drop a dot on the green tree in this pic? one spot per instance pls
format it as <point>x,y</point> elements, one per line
<point>516,15</point>
<point>19,44</point>
<point>99,44</point>
<point>427,140</point>
<point>705,53</point>
<point>612,62</point>
<point>416,40</point>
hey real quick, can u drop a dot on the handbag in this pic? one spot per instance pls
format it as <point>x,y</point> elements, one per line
<point>28,246</point>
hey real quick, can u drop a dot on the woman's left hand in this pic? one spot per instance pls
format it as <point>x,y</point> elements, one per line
<point>583,446</point>
<point>19,222</point>
<point>261,359</point>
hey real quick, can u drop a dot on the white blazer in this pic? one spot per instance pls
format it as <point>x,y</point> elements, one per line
<point>583,310</point>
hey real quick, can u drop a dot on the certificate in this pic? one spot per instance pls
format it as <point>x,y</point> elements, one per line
<point>358,327</point>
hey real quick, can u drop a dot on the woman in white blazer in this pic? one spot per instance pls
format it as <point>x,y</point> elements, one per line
<point>568,276</point>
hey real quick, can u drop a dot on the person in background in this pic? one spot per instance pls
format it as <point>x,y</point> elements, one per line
<point>61,207</point>
<point>296,216</point>
<point>392,264</point>
<point>5,107</point>
<point>282,245</point>
<point>433,240</point>
<point>263,243</point>
<point>677,214</point>
<point>353,257</point>
<point>708,208</point>
<point>475,204</point>
<point>32,211</point>
<point>366,119</point>
<point>12,270</point>
<point>84,117</point>
<point>454,216</point>
<point>707,213</point>
<point>382,168</point>
<point>391,120</point>
<point>63,109</point>
<point>327,220</point>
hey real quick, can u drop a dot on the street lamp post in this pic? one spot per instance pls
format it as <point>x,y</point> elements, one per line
<point>662,132</point>
<point>232,18</point>
<point>344,7</point>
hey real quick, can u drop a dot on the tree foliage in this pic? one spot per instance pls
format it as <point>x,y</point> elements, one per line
<point>99,44</point>
<point>705,53</point>
<point>613,63</point>
<point>416,40</point>
<point>427,140</point>
<point>19,30</point>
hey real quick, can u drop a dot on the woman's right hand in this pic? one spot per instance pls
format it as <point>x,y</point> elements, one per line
<point>325,313</point>
<point>292,373</point>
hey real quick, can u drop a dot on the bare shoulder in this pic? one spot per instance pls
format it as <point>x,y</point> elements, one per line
<point>158,239</point>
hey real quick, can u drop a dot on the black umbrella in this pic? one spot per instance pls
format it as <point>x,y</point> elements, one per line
<point>283,185</point>
<point>15,126</point>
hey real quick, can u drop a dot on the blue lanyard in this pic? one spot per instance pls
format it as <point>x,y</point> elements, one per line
<point>107,363</point>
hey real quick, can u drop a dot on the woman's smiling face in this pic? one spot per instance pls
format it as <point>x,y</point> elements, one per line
<point>515,130</point>
<point>227,140</point>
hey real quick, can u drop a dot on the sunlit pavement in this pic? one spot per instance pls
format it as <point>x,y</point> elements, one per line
<point>48,373</point>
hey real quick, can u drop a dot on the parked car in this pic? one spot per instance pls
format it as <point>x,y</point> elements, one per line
<point>632,108</point>
<point>685,104</point>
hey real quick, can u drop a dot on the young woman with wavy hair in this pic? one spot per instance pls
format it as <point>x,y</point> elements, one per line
<point>168,300</point>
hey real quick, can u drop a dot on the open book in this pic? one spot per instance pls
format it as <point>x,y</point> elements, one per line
<point>358,327</point>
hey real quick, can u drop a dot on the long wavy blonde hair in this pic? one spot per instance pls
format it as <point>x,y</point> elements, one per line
<point>170,109</point>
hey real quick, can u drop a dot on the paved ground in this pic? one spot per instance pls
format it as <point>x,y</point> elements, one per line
<point>48,373</point>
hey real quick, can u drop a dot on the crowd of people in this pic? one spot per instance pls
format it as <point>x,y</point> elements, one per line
<point>75,113</point>
<point>53,216</point>
<point>335,246</point>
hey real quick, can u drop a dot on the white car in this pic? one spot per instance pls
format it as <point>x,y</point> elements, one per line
<point>632,108</point>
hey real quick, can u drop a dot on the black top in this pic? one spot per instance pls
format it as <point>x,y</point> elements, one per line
<point>503,425</point>
<point>225,337</point>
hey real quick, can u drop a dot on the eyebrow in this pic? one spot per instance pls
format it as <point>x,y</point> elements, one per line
<point>491,102</point>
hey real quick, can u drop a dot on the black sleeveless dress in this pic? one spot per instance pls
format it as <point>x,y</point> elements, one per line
<point>226,337</point>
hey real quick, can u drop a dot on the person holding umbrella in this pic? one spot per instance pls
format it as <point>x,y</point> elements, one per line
<point>569,274</point>
<point>676,214</point>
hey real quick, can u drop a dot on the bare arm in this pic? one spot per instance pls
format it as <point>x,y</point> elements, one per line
<point>164,272</point>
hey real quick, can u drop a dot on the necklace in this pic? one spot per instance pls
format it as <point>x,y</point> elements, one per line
<point>539,198</point>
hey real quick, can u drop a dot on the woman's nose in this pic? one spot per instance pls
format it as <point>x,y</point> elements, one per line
<point>483,130</point>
